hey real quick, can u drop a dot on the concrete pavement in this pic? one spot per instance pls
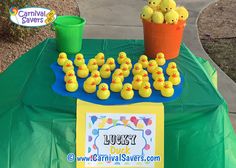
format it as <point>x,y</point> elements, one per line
<point>120,20</point>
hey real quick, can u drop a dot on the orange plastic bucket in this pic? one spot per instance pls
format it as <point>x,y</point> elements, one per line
<point>164,38</point>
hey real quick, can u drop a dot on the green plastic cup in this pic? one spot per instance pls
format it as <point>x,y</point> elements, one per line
<point>69,33</point>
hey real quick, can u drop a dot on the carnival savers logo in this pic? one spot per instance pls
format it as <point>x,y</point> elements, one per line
<point>32,16</point>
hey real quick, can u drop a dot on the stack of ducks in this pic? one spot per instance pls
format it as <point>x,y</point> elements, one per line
<point>98,68</point>
<point>70,79</point>
<point>164,11</point>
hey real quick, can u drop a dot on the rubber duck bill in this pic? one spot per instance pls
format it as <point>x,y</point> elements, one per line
<point>136,68</point>
<point>71,74</point>
<point>104,89</point>
<point>107,70</point>
<point>174,76</point>
<point>93,83</point>
<point>128,89</point>
<point>94,63</point>
<point>95,76</point>
<point>146,87</point>
<point>110,63</point>
<point>78,58</point>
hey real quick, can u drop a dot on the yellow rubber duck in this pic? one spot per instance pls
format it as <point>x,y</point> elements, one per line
<point>160,59</point>
<point>152,65</point>
<point>174,71</point>
<point>128,62</point>
<point>158,72</point>
<point>121,57</point>
<point>159,83</point>
<point>145,91</point>
<point>172,67</point>
<point>73,78</point>
<point>154,4</point>
<point>68,65</point>
<point>96,75</point>
<point>137,82</point>
<point>62,57</point>
<point>69,74</point>
<point>137,68</point>
<point>105,71</point>
<point>145,76</point>
<point>125,68</point>
<point>90,85</point>
<point>116,84</point>
<point>83,71</point>
<point>118,73</point>
<point>79,59</point>
<point>72,86</point>
<point>167,5</point>
<point>127,92</point>
<point>143,59</point>
<point>158,17</point>
<point>175,78</point>
<point>92,65</point>
<point>172,17</point>
<point>146,13</point>
<point>183,13</point>
<point>111,62</point>
<point>100,58</point>
<point>103,92</point>
<point>167,90</point>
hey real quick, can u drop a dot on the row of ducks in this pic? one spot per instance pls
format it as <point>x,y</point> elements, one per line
<point>109,65</point>
<point>140,80</point>
<point>160,11</point>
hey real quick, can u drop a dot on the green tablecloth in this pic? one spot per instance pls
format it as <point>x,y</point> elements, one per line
<point>37,126</point>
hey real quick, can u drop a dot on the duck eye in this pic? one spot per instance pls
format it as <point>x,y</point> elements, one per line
<point>170,8</point>
<point>150,3</point>
<point>172,20</point>
<point>166,8</point>
<point>143,15</point>
<point>182,16</point>
<point>154,3</point>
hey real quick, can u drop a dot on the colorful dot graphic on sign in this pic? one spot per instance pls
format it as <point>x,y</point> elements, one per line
<point>89,150</point>
<point>95,132</point>
<point>94,119</point>
<point>90,138</point>
<point>109,121</point>
<point>13,11</point>
<point>94,146</point>
<point>147,147</point>
<point>148,132</point>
